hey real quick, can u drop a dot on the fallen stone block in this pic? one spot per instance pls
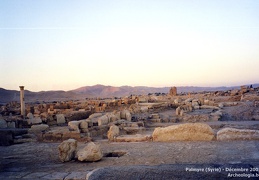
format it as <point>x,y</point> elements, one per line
<point>60,119</point>
<point>83,126</point>
<point>38,128</point>
<point>77,115</point>
<point>228,134</point>
<point>125,114</point>
<point>209,107</point>
<point>91,153</point>
<point>71,134</point>
<point>184,132</point>
<point>133,130</point>
<point>30,116</point>
<point>35,120</point>
<point>113,132</point>
<point>133,138</point>
<point>74,126</point>
<point>112,117</point>
<point>67,150</point>
<point>103,120</point>
<point>3,123</point>
<point>95,115</point>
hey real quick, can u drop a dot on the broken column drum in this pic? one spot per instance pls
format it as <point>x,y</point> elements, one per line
<point>22,101</point>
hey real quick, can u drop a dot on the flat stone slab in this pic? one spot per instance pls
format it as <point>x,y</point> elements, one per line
<point>35,175</point>
<point>44,175</point>
<point>76,176</point>
<point>13,175</point>
<point>56,176</point>
<point>228,134</point>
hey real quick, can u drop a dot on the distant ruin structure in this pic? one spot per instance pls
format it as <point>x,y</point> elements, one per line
<point>173,91</point>
<point>22,101</point>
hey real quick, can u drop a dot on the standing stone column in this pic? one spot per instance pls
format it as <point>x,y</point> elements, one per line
<point>22,101</point>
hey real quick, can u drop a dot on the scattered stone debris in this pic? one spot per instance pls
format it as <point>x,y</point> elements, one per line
<point>91,153</point>
<point>228,134</point>
<point>113,132</point>
<point>67,150</point>
<point>157,117</point>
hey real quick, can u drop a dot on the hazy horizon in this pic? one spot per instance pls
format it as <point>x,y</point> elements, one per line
<point>17,89</point>
<point>65,44</point>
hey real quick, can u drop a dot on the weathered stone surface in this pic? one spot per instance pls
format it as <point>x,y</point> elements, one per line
<point>3,123</point>
<point>103,120</point>
<point>83,126</point>
<point>184,132</point>
<point>177,111</point>
<point>221,105</point>
<point>192,118</point>
<point>71,134</point>
<point>35,175</point>
<point>61,135</point>
<point>166,171</point>
<point>74,126</point>
<point>133,138</point>
<point>125,114</point>
<point>196,102</point>
<point>117,114</point>
<point>39,128</point>
<point>134,108</point>
<point>30,116</point>
<point>230,103</point>
<point>183,108</point>
<point>95,115</point>
<point>226,134</point>
<point>56,175</point>
<point>91,152</point>
<point>128,116</point>
<point>112,117</point>
<point>177,101</point>
<point>60,119</point>
<point>144,109</point>
<point>209,107</point>
<point>76,175</point>
<point>133,130</point>
<point>113,132</point>
<point>67,150</point>
<point>234,92</point>
<point>35,120</point>
<point>206,102</point>
<point>77,115</point>
<point>173,91</point>
<point>217,113</point>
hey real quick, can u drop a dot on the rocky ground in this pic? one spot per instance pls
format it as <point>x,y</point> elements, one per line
<point>40,160</point>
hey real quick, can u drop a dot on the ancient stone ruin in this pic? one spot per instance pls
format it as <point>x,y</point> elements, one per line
<point>94,130</point>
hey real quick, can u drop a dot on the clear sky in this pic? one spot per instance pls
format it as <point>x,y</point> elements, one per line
<point>66,44</point>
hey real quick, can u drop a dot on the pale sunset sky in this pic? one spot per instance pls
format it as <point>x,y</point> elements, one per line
<point>67,44</point>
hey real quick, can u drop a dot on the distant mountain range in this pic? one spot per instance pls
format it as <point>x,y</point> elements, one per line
<point>99,91</point>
